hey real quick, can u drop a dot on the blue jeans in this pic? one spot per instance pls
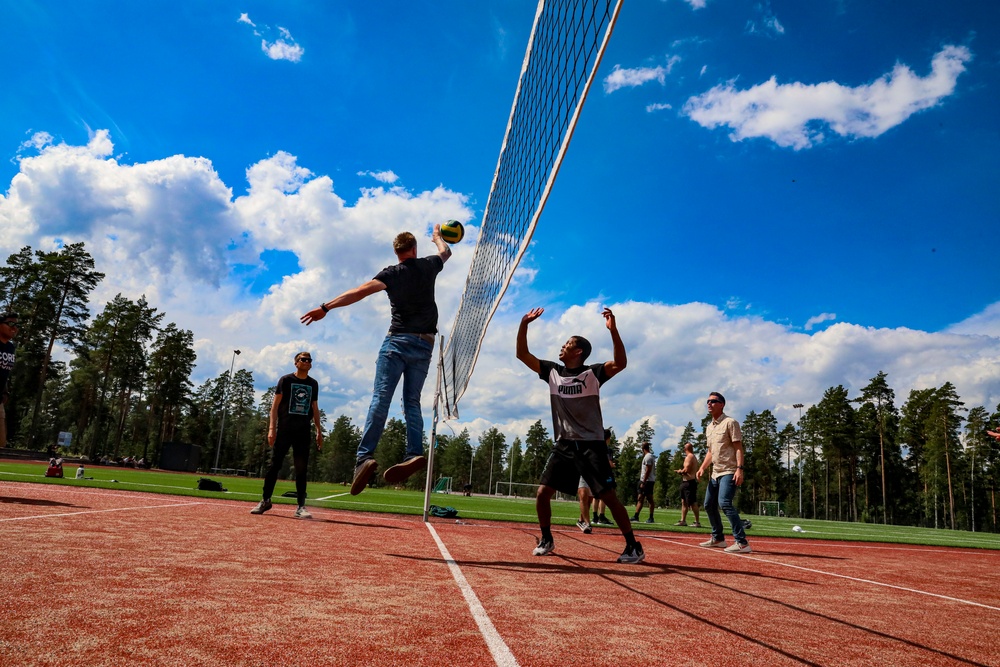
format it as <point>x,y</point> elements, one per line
<point>720,493</point>
<point>407,356</point>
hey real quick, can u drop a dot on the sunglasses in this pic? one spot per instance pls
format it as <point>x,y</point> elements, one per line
<point>712,400</point>
<point>308,360</point>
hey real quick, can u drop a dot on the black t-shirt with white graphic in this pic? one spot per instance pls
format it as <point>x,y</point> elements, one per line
<point>410,286</point>
<point>7,351</point>
<point>295,406</point>
<point>575,394</point>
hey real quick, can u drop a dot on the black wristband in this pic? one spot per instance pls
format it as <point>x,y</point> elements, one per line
<point>739,467</point>
<point>323,307</point>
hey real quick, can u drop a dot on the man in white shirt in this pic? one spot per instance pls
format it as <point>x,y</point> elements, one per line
<point>647,479</point>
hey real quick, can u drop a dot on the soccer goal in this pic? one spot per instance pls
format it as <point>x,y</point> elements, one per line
<point>443,485</point>
<point>770,508</point>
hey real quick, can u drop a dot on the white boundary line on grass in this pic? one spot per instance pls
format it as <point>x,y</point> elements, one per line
<point>498,648</point>
<point>838,576</point>
<point>336,495</point>
<point>114,509</point>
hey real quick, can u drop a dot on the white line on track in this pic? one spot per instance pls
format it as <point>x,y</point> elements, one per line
<point>336,495</point>
<point>838,576</point>
<point>498,648</point>
<point>114,509</point>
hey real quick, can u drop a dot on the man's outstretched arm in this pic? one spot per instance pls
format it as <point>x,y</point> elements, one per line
<point>345,299</point>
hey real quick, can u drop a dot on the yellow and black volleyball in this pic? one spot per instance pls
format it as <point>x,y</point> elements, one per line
<point>452,231</point>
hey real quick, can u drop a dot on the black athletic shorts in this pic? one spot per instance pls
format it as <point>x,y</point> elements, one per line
<point>646,489</point>
<point>572,459</point>
<point>689,492</point>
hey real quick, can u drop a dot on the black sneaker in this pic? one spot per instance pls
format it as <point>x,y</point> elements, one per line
<point>362,475</point>
<point>262,507</point>
<point>605,521</point>
<point>635,517</point>
<point>544,548</point>
<point>584,526</point>
<point>632,554</point>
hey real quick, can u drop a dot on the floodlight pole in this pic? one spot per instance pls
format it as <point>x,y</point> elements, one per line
<point>800,406</point>
<point>222,424</point>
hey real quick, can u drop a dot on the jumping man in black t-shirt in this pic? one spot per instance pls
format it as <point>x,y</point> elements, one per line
<point>406,351</point>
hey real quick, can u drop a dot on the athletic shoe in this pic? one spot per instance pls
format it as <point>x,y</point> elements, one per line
<point>362,475</point>
<point>713,543</point>
<point>681,523</point>
<point>262,507</point>
<point>596,520</point>
<point>650,520</point>
<point>584,526</point>
<point>632,554</point>
<point>302,513</point>
<point>544,547</point>
<point>696,524</point>
<point>635,517</point>
<point>737,548</point>
<point>603,520</point>
<point>402,471</point>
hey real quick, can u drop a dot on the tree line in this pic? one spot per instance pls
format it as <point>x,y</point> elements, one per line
<point>127,389</point>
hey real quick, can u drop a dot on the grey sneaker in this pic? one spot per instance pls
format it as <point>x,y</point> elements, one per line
<point>302,513</point>
<point>262,507</point>
<point>544,548</point>
<point>737,548</point>
<point>650,520</point>
<point>362,475</point>
<point>605,521</point>
<point>584,526</point>
<point>713,543</point>
<point>632,554</point>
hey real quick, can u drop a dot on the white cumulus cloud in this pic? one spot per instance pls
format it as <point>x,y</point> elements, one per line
<point>793,114</point>
<point>632,78</point>
<point>387,176</point>
<point>819,319</point>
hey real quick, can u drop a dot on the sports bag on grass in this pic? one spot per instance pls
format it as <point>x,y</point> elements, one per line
<point>206,484</point>
<point>443,512</point>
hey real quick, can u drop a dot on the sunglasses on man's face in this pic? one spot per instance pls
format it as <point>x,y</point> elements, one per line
<point>712,401</point>
<point>308,360</point>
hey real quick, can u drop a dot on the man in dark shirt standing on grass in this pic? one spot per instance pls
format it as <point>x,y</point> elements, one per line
<point>8,329</point>
<point>293,407</point>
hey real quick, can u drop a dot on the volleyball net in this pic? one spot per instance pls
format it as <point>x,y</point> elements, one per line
<point>564,51</point>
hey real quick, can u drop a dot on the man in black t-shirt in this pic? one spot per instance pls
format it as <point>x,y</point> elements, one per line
<point>405,353</point>
<point>293,408</point>
<point>580,449</point>
<point>8,329</point>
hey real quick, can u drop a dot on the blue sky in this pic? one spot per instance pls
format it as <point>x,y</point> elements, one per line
<point>775,197</point>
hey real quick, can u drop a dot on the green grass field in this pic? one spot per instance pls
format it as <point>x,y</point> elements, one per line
<point>337,496</point>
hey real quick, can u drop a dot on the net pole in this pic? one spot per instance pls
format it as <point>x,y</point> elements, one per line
<point>434,421</point>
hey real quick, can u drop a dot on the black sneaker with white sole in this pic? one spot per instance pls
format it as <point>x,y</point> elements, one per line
<point>544,548</point>
<point>632,554</point>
